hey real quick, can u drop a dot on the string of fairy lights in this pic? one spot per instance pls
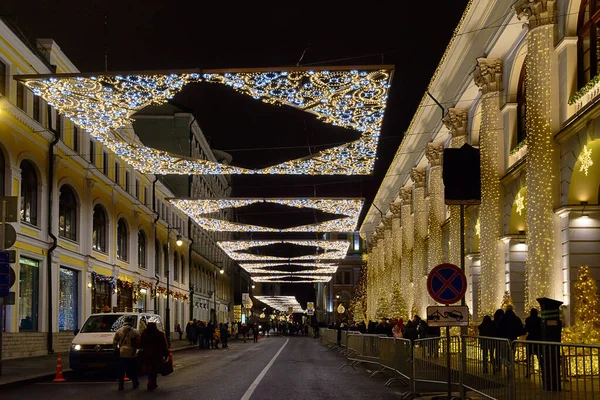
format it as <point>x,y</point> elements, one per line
<point>331,250</point>
<point>103,104</point>
<point>281,303</point>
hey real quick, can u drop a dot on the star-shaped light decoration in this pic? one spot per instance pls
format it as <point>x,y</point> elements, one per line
<point>102,104</point>
<point>585,160</point>
<point>520,203</point>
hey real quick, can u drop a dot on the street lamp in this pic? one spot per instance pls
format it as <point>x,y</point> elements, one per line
<point>222,271</point>
<point>179,241</point>
<point>253,286</point>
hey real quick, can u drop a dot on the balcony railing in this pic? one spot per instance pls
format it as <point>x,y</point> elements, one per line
<point>517,153</point>
<point>586,94</point>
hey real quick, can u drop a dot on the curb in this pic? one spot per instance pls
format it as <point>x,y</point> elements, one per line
<point>30,379</point>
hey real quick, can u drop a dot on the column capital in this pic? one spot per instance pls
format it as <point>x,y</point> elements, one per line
<point>387,222</point>
<point>379,231</point>
<point>488,74</point>
<point>456,121</point>
<point>537,12</point>
<point>396,209</point>
<point>435,153</point>
<point>406,194</point>
<point>418,176</point>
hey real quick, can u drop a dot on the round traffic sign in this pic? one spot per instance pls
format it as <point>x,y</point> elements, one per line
<point>446,284</point>
<point>10,236</point>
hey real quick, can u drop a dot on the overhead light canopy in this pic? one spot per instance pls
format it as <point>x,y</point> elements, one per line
<point>350,97</point>
<point>281,303</point>
<point>333,250</point>
<point>198,209</point>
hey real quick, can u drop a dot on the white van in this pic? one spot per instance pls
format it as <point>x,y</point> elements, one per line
<point>92,347</point>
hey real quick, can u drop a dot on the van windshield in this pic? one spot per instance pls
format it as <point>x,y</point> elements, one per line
<point>105,323</point>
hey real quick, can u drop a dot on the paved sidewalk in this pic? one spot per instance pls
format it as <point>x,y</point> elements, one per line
<point>18,370</point>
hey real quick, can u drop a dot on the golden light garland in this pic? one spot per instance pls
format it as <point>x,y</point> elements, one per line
<point>488,78</point>
<point>353,99</point>
<point>388,259</point>
<point>420,231</point>
<point>585,159</point>
<point>288,278</point>
<point>307,268</point>
<point>436,215</point>
<point>541,172</point>
<point>197,210</point>
<point>396,242</point>
<point>406,260</point>
<point>333,250</point>
<point>281,303</point>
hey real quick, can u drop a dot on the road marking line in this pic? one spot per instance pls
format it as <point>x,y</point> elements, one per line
<point>262,374</point>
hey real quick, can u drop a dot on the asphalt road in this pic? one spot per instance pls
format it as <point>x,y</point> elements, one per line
<point>274,368</point>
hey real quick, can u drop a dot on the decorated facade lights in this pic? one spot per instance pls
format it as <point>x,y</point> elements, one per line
<point>519,203</point>
<point>98,278</point>
<point>197,210</point>
<point>585,160</point>
<point>333,250</point>
<point>353,99</point>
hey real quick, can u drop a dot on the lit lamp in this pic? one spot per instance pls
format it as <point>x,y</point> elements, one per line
<point>584,215</point>
<point>521,237</point>
<point>253,286</point>
<point>337,296</point>
<point>222,271</point>
<point>179,241</point>
<point>143,290</point>
<point>341,309</point>
<point>89,285</point>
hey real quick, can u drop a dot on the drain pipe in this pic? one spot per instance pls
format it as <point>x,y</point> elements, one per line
<point>155,238</point>
<point>54,239</point>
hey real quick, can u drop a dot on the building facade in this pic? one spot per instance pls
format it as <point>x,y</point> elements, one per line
<point>93,234</point>
<point>211,290</point>
<point>519,81</point>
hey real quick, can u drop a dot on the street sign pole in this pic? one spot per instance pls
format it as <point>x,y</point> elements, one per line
<point>465,329</point>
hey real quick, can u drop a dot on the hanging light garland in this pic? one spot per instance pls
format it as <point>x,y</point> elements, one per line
<point>353,99</point>
<point>104,279</point>
<point>333,250</point>
<point>281,303</point>
<point>292,278</point>
<point>197,210</point>
<point>307,268</point>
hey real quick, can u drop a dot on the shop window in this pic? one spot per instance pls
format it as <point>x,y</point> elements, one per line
<point>68,300</point>
<point>28,294</point>
<point>588,50</point>
<point>29,193</point>
<point>67,213</point>
<point>99,225</point>
<point>101,295</point>
<point>124,296</point>
<point>122,242</point>
<point>141,249</point>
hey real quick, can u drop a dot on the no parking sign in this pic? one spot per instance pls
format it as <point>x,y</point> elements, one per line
<point>446,284</point>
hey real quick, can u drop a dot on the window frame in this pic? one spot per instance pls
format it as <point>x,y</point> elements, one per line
<point>122,240</point>
<point>99,242</point>
<point>588,28</point>
<point>142,249</point>
<point>29,193</point>
<point>72,232</point>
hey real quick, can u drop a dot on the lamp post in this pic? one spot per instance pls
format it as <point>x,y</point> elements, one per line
<point>179,242</point>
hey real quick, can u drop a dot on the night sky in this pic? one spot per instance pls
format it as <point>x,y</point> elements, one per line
<point>151,34</point>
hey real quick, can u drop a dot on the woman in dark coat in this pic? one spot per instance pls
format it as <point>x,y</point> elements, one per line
<point>155,352</point>
<point>488,330</point>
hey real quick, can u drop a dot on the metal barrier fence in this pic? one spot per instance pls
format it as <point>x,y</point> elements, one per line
<point>493,368</point>
<point>548,370</point>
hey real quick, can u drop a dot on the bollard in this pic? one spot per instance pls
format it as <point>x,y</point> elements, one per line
<point>59,374</point>
<point>171,355</point>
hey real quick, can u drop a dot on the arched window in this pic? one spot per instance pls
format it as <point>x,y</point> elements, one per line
<point>522,106</point>
<point>165,260</point>
<point>29,193</point>
<point>141,250</point>
<point>588,50</point>
<point>182,280</point>
<point>99,222</point>
<point>175,266</point>
<point>122,242</point>
<point>67,213</point>
<point>156,257</point>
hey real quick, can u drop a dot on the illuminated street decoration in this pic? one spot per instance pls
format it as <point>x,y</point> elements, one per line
<point>333,250</point>
<point>478,228</point>
<point>520,203</point>
<point>307,268</point>
<point>197,210</point>
<point>103,104</point>
<point>291,278</point>
<point>281,303</point>
<point>585,159</point>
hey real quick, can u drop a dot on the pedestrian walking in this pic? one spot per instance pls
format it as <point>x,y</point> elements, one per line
<point>179,331</point>
<point>533,328</point>
<point>190,332</point>
<point>126,342</point>
<point>255,330</point>
<point>224,334</point>
<point>487,328</point>
<point>155,353</point>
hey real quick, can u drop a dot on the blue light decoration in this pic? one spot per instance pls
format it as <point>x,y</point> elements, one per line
<point>104,104</point>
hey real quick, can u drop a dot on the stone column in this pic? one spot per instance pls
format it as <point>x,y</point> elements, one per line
<point>541,176</point>
<point>388,259</point>
<point>369,288</point>
<point>396,210</point>
<point>488,76</point>
<point>418,176</point>
<point>436,215</point>
<point>456,121</point>
<point>380,268</point>
<point>407,248</point>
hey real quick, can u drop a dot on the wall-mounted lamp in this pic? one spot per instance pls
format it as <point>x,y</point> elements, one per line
<point>521,237</point>
<point>584,215</point>
<point>179,241</point>
<point>253,286</point>
<point>143,291</point>
<point>222,271</point>
<point>89,285</point>
<point>337,296</point>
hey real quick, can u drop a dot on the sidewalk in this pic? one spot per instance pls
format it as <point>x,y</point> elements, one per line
<point>19,370</point>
